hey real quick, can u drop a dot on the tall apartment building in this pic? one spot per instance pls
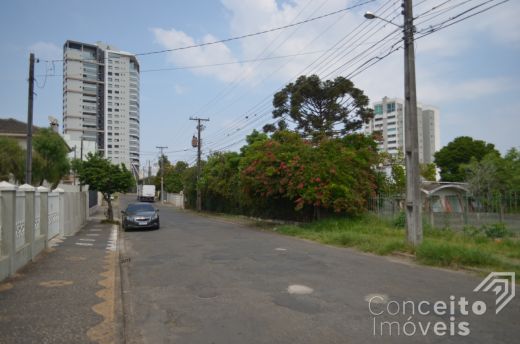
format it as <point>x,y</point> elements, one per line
<point>389,121</point>
<point>101,101</point>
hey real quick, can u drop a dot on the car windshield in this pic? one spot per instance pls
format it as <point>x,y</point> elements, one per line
<point>135,208</point>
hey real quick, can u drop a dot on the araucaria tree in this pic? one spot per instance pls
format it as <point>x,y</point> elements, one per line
<point>101,175</point>
<point>320,109</point>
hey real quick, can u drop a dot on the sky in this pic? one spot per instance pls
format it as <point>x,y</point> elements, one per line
<point>469,70</point>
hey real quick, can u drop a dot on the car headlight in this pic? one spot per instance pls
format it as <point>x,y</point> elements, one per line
<point>155,216</point>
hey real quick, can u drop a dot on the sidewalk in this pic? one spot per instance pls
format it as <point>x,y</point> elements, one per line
<point>68,295</point>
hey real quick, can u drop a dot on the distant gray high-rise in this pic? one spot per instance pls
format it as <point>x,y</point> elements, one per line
<point>101,101</point>
<point>389,121</point>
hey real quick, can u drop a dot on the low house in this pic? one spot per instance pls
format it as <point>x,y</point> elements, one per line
<point>443,197</point>
<point>15,129</point>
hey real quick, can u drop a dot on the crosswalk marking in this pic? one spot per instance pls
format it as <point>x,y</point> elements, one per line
<point>83,239</point>
<point>84,244</point>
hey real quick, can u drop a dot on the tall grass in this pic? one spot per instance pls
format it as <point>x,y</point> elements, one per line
<point>440,247</point>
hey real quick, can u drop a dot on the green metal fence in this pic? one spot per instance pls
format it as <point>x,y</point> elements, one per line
<point>455,211</point>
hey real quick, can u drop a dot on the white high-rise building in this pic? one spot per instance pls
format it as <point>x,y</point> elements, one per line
<point>101,101</point>
<point>389,121</point>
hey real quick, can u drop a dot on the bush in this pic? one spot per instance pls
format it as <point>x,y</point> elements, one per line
<point>472,231</point>
<point>497,230</point>
<point>400,220</point>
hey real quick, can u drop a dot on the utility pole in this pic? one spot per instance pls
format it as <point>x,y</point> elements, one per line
<point>149,172</point>
<point>74,174</point>
<point>414,230</point>
<point>28,164</point>
<point>199,151</point>
<point>161,165</point>
<point>81,158</point>
<point>413,181</point>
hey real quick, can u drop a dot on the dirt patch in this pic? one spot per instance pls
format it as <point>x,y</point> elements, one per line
<point>5,286</point>
<point>55,283</point>
<point>105,331</point>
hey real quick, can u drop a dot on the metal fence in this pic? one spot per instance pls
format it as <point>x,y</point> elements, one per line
<point>455,211</point>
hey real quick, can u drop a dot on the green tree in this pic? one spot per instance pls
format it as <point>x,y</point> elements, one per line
<point>493,174</point>
<point>189,183</point>
<point>173,177</point>
<point>395,183</point>
<point>12,159</point>
<point>221,181</point>
<point>428,171</point>
<point>335,175</point>
<point>319,107</point>
<point>52,152</point>
<point>482,175</point>
<point>101,175</point>
<point>458,152</point>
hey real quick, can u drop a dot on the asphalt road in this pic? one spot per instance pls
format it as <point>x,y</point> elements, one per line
<point>205,280</point>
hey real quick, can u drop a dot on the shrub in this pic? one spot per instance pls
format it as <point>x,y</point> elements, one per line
<point>497,230</point>
<point>472,231</point>
<point>400,220</point>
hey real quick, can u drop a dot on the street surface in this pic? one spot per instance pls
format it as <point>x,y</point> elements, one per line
<point>206,280</point>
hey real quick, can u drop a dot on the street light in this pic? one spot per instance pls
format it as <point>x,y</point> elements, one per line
<point>413,182</point>
<point>370,15</point>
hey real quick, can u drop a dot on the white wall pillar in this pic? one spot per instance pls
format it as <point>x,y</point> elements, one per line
<point>8,204</point>
<point>29,217</point>
<point>62,210</point>
<point>44,213</point>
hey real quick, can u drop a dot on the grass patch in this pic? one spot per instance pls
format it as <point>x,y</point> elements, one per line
<point>445,248</point>
<point>442,253</point>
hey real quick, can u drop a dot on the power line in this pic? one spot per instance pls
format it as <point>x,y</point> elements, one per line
<point>256,33</point>
<point>394,47</point>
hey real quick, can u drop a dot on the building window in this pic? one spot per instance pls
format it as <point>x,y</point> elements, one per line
<point>390,107</point>
<point>378,109</point>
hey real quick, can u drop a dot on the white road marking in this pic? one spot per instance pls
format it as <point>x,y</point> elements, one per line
<point>95,230</point>
<point>299,289</point>
<point>280,249</point>
<point>82,239</point>
<point>84,244</point>
<point>92,234</point>
<point>112,240</point>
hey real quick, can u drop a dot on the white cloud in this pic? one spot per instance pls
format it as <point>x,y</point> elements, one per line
<point>216,53</point>
<point>179,89</point>
<point>46,50</point>
<point>249,16</point>
<point>437,91</point>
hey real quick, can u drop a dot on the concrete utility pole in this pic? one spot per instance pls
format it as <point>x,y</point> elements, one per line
<point>414,230</point>
<point>28,164</point>
<point>81,158</point>
<point>161,165</point>
<point>199,151</point>
<point>413,181</point>
<point>149,172</point>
